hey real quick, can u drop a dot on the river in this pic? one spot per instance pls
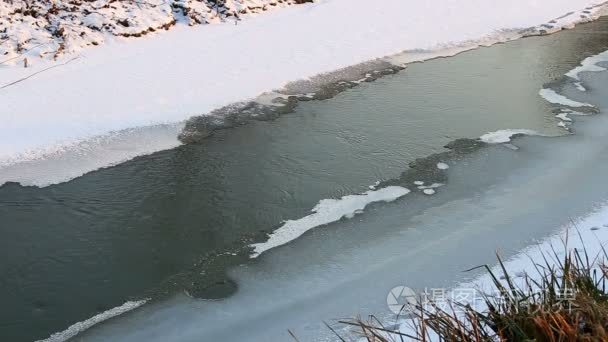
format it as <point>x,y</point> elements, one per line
<point>177,226</point>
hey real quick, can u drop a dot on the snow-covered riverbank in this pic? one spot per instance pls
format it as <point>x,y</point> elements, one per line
<point>587,235</point>
<point>61,110</point>
<point>51,29</point>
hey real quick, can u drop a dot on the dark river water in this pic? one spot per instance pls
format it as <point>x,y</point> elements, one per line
<point>177,220</point>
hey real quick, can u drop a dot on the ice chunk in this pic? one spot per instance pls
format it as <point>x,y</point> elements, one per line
<point>589,64</point>
<point>551,96</point>
<point>563,116</point>
<point>327,211</point>
<point>504,135</point>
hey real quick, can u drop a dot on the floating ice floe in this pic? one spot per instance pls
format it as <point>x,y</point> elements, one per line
<point>327,211</point>
<point>589,64</point>
<point>504,135</point>
<point>553,97</point>
<point>442,166</point>
<point>373,187</point>
<point>563,116</point>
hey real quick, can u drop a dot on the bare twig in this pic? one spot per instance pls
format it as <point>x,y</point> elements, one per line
<point>36,73</point>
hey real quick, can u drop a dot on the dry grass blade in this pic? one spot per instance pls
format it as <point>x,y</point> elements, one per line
<point>566,301</point>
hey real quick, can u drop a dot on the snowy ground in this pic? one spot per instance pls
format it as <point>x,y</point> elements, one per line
<point>66,107</point>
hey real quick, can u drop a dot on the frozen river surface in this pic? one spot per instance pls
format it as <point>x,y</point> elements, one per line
<point>185,221</point>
